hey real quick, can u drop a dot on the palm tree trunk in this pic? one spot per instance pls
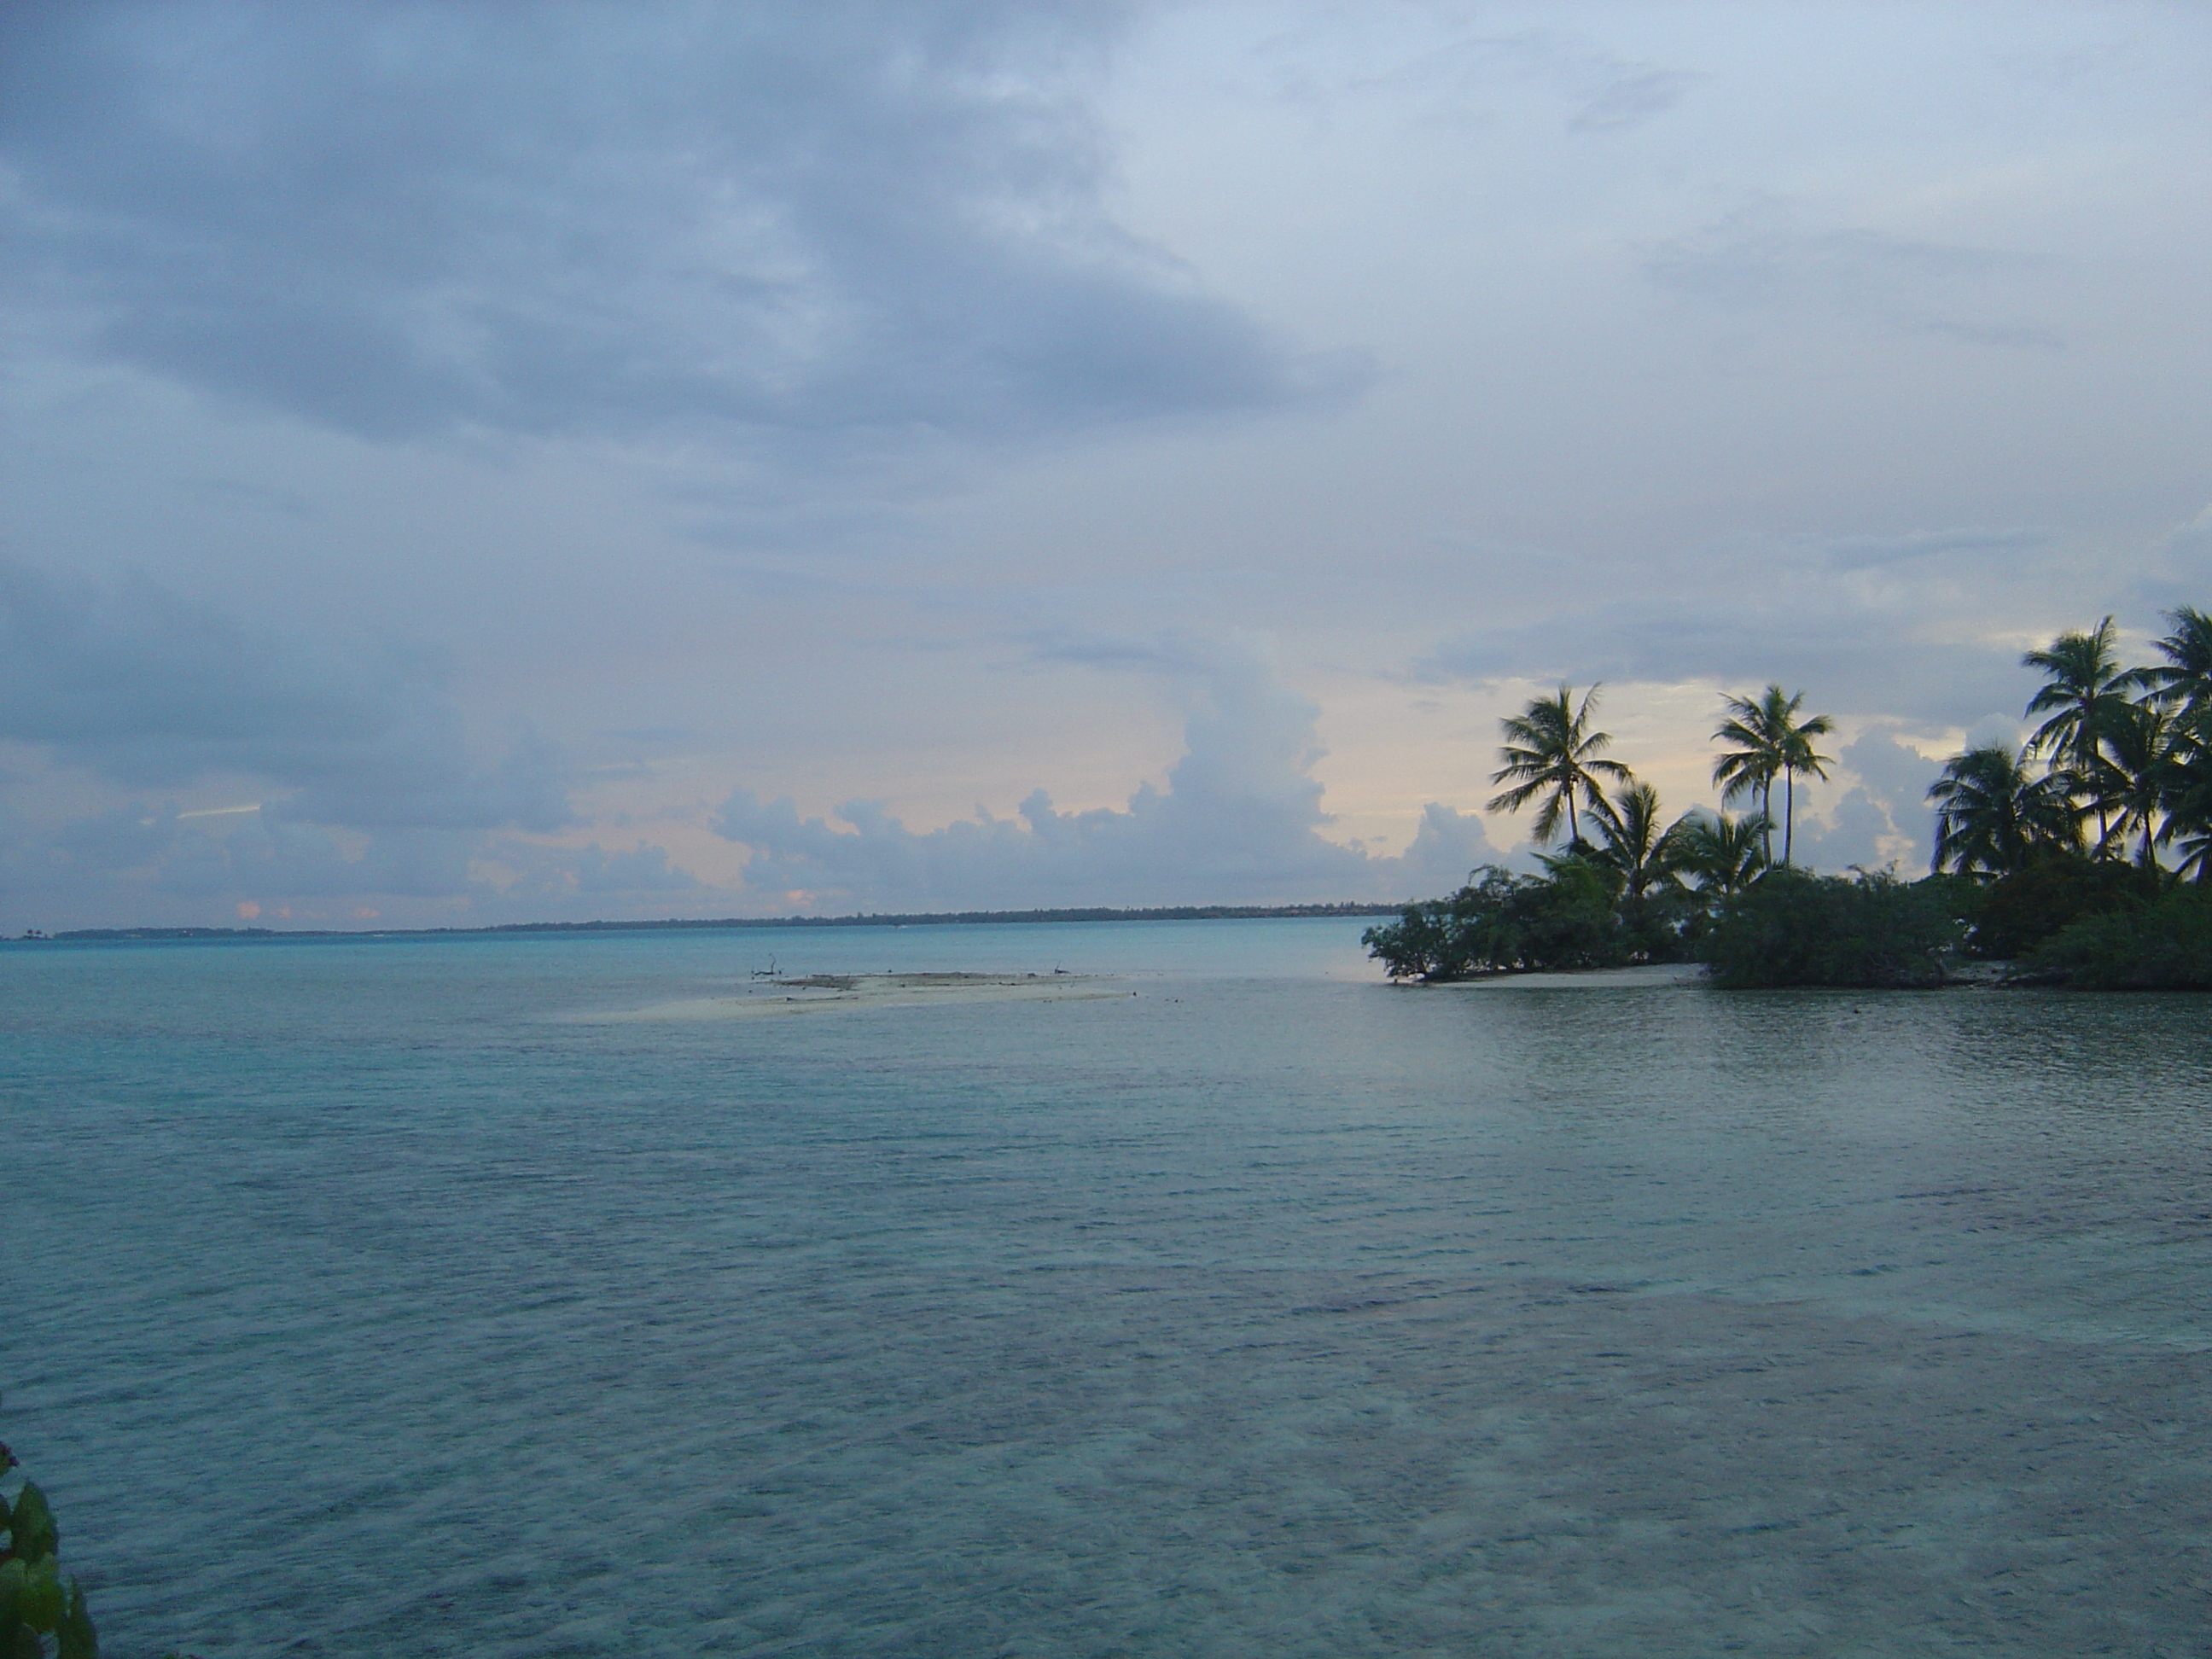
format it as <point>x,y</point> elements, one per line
<point>1788,814</point>
<point>1766,820</point>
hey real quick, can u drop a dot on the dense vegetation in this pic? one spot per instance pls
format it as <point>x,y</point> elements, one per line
<point>2085,855</point>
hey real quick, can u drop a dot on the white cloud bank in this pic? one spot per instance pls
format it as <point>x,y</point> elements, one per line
<point>1240,821</point>
<point>369,800</point>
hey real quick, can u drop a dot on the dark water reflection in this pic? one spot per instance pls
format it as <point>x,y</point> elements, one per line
<point>358,1305</point>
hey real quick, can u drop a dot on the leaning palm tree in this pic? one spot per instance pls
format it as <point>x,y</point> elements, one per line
<point>1769,742</point>
<point>1993,812</point>
<point>2183,680</point>
<point>1632,844</point>
<point>1726,855</point>
<point>2084,693</point>
<point>1551,753</point>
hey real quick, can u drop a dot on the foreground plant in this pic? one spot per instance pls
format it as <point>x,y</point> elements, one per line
<point>35,1602</point>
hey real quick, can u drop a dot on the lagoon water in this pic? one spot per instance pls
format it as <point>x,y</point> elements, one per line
<point>362,1299</point>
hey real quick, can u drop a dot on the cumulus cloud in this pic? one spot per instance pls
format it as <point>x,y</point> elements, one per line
<point>1240,821</point>
<point>1882,818</point>
<point>400,219</point>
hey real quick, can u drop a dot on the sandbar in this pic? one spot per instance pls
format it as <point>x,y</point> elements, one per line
<point>774,999</point>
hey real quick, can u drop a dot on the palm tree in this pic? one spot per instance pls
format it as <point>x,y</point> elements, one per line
<point>1770,742</point>
<point>1634,846</point>
<point>1550,751</point>
<point>1992,812</point>
<point>2189,797</point>
<point>2183,680</point>
<point>2084,693</point>
<point>1726,855</point>
<point>2140,774</point>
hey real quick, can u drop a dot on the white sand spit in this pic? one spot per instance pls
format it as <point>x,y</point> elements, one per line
<point>824,993</point>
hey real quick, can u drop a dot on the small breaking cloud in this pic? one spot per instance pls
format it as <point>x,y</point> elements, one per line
<point>1762,258</point>
<point>1629,94</point>
<point>1869,552</point>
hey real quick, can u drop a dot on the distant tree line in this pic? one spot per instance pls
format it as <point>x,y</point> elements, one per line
<point>2085,854</point>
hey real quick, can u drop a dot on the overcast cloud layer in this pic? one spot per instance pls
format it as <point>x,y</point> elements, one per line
<point>487,462</point>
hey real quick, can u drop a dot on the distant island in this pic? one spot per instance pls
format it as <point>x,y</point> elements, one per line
<point>917,918</point>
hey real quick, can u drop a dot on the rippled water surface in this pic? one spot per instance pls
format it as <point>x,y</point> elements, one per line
<point>361,1301</point>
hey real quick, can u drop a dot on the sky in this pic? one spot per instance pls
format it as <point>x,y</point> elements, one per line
<point>470,464</point>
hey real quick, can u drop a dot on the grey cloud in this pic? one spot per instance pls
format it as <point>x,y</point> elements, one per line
<point>401,219</point>
<point>149,690</point>
<point>1853,656</point>
<point>1239,822</point>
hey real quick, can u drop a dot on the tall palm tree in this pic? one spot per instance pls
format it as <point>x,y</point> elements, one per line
<point>1992,811</point>
<point>2141,773</point>
<point>2189,797</point>
<point>2084,693</point>
<point>1550,751</point>
<point>1726,855</point>
<point>1632,843</point>
<point>1769,743</point>
<point>2183,680</point>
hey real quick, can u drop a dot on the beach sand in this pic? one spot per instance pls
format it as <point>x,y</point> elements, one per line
<point>826,992</point>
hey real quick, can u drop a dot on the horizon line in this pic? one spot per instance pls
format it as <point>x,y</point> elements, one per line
<point>858,919</point>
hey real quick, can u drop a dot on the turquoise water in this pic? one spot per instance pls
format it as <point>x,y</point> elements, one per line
<point>363,1301</point>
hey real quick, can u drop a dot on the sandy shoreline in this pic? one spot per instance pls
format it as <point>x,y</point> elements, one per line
<point>1585,979</point>
<point>822,993</point>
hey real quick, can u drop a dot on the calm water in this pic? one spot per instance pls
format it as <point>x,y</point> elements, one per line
<point>359,1301</point>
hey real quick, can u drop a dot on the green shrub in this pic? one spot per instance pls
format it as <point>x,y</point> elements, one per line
<point>1870,930</point>
<point>1501,923</point>
<point>2021,909</point>
<point>35,1602</point>
<point>2164,946</point>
